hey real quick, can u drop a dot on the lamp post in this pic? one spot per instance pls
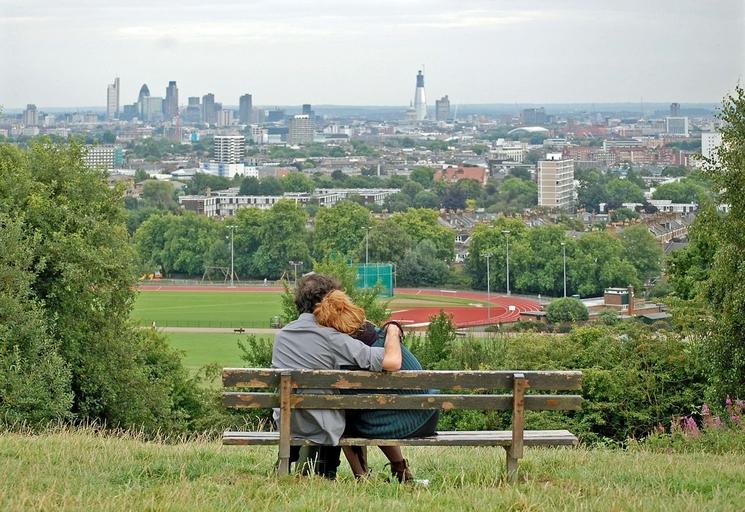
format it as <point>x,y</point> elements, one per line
<point>564,254</point>
<point>367,254</point>
<point>488,254</point>
<point>506,232</point>
<point>296,264</point>
<point>232,259</point>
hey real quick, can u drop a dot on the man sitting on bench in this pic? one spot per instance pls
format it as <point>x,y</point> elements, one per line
<point>304,344</point>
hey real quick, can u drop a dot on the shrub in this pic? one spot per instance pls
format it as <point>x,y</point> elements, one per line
<point>434,348</point>
<point>567,309</point>
<point>256,351</point>
<point>609,317</point>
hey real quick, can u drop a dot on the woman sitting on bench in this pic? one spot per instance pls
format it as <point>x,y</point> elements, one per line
<point>336,310</point>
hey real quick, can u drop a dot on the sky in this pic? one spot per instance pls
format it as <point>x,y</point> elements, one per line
<point>367,52</point>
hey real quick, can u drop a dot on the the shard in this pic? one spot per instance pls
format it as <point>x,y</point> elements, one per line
<point>420,99</point>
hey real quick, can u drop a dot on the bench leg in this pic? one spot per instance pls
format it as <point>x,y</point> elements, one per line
<point>511,466</point>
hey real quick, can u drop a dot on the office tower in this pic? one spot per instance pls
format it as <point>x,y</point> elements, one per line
<point>420,100</point>
<point>275,116</point>
<point>533,116</point>
<point>677,126</point>
<point>224,117</point>
<point>193,112</point>
<point>442,108</point>
<point>112,99</point>
<point>170,105</point>
<point>556,182</point>
<point>300,130</point>
<point>107,156</point>
<point>674,109</point>
<point>30,115</point>
<point>710,142</point>
<point>245,109</point>
<point>152,108</point>
<point>209,112</point>
<point>144,93</point>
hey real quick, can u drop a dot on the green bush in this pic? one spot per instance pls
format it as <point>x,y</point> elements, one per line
<point>567,309</point>
<point>633,378</point>
<point>434,348</point>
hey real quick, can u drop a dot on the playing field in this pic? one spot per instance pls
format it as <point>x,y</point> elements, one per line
<point>202,349</point>
<point>200,308</point>
<point>206,308</point>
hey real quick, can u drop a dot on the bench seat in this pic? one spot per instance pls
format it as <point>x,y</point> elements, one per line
<point>454,438</point>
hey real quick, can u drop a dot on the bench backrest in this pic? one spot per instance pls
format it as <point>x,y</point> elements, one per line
<point>479,384</point>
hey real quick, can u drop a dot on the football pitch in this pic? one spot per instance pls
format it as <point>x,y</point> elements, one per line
<point>206,308</point>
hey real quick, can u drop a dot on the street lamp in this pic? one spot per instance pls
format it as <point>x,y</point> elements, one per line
<point>296,264</point>
<point>488,254</point>
<point>564,254</point>
<point>506,232</point>
<point>367,244</point>
<point>232,260</point>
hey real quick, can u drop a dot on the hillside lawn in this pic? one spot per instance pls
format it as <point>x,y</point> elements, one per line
<point>240,309</point>
<point>202,349</point>
<point>83,470</point>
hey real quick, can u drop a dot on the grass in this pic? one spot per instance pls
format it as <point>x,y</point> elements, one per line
<point>241,309</point>
<point>201,349</point>
<point>206,309</point>
<point>84,470</point>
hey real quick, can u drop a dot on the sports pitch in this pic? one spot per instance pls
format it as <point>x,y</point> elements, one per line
<point>198,308</point>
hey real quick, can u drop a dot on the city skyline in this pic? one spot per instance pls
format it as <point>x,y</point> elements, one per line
<point>292,52</point>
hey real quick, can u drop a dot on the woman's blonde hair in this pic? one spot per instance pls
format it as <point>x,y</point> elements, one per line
<point>336,310</point>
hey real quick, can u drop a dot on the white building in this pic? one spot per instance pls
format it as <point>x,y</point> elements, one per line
<point>224,118</point>
<point>30,116</point>
<point>152,108</point>
<point>710,142</point>
<point>112,99</point>
<point>677,126</point>
<point>103,156</point>
<point>258,135</point>
<point>368,195</point>
<point>556,182</point>
<point>229,149</point>
<point>300,130</point>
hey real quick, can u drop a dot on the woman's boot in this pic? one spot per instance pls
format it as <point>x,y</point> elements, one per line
<point>400,469</point>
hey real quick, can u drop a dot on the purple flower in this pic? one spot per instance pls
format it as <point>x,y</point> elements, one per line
<point>740,404</point>
<point>691,428</point>
<point>735,419</point>
<point>705,410</point>
<point>717,422</point>
<point>728,401</point>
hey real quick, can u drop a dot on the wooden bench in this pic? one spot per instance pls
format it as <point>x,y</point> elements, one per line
<point>280,389</point>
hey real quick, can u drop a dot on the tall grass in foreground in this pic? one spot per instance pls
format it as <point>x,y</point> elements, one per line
<point>82,469</point>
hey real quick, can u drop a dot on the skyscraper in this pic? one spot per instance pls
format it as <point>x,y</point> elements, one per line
<point>30,115</point>
<point>112,99</point>
<point>209,112</point>
<point>144,93</point>
<point>229,149</point>
<point>300,130</point>
<point>420,100</point>
<point>245,109</point>
<point>193,112</point>
<point>170,105</point>
<point>674,109</point>
<point>442,108</point>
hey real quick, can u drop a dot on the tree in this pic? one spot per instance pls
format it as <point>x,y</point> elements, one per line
<point>121,376</point>
<point>340,229</point>
<point>642,250</point>
<point>420,224</point>
<point>271,186</point>
<point>388,242</point>
<point>684,191</point>
<point>283,238</point>
<point>398,202</point>
<point>566,309</point>
<point>297,182</point>
<point>412,188</point>
<point>159,194</point>
<point>250,186</point>
<point>423,176</point>
<point>490,238</point>
<point>420,267</point>
<point>426,199</point>
<point>724,293</point>
<point>201,182</point>
<point>454,198</point>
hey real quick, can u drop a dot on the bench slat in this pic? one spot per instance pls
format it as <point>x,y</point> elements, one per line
<point>240,400</point>
<point>453,380</point>
<point>457,438</point>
